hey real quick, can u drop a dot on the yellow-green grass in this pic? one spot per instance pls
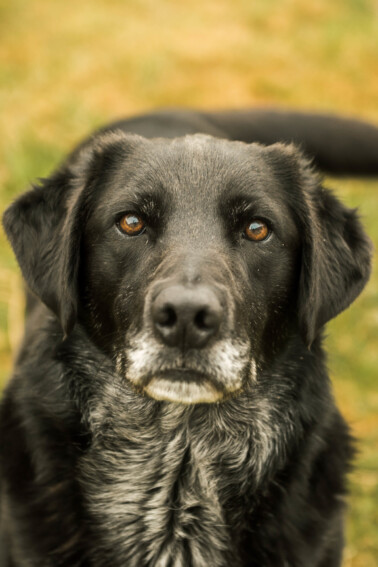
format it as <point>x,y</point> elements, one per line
<point>66,68</point>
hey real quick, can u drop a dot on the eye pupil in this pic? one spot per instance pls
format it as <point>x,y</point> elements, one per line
<point>131,224</point>
<point>257,230</point>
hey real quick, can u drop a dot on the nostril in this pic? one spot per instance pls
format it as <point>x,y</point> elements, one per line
<point>205,320</point>
<point>199,319</point>
<point>166,317</point>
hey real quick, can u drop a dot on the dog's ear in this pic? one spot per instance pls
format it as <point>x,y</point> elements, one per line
<point>44,227</point>
<point>42,230</point>
<point>336,262</point>
<point>336,252</point>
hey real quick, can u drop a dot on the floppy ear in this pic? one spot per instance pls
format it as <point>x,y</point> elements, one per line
<point>44,227</point>
<point>336,252</point>
<point>41,229</point>
<point>336,261</point>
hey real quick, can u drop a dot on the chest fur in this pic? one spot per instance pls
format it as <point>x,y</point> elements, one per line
<point>161,499</point>
<point>168,485</point>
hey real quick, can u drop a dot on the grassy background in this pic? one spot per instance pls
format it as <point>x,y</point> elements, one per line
<point>67,67</point>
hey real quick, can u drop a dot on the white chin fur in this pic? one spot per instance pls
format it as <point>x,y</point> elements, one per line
<point>183,392</point>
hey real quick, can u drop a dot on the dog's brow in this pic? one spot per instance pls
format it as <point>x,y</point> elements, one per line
<point>148,203</point>
<point>242,205</point>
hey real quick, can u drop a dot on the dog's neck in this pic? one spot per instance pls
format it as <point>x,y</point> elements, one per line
<point>163,473</point>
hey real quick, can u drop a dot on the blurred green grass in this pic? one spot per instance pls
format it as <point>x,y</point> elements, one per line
<point>65,69</point>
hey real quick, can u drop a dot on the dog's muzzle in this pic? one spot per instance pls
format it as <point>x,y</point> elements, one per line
<point>185,352</point>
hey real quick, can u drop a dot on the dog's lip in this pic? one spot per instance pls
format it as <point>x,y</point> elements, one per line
<point>184,386</point>
<point>183,374</point>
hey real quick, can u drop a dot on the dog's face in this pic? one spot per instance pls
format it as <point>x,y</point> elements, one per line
<point>190,262</point>
<point>190,253</point>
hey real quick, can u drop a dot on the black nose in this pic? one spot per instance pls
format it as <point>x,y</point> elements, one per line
<point>186,317</point>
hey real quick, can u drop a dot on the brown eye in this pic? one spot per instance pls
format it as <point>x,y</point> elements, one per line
<point>131,224</point>
<point>257,230</point>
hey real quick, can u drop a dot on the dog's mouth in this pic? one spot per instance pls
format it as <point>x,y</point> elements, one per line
<point>184,386</point>
<point>208,376</point>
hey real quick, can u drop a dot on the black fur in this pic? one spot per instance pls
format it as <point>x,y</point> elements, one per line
<point>100,462</point>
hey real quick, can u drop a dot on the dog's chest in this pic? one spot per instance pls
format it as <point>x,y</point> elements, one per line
<point>153,498</point>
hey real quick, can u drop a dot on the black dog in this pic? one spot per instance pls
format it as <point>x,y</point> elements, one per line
<point>170,406</point>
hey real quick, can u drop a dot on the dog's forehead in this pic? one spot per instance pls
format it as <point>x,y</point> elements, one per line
<point>195,171</point>
<point>200,160</point>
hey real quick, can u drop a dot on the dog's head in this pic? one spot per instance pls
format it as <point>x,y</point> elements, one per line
<point>191,262</point>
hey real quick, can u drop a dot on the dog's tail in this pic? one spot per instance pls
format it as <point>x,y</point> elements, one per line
<point>338,145</point>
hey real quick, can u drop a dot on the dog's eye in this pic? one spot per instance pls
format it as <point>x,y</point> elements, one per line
<point>131,224</point>
<point>257,230</point>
